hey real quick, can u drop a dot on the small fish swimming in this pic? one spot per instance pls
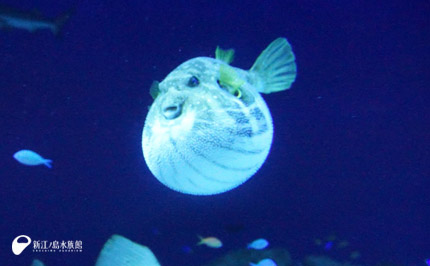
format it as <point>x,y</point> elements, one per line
<point>264,262</point>
<point>31,158</point>
<point>210,241</point>
<point>208,129</point>
<point>30,21</point>
<point>258,244</point>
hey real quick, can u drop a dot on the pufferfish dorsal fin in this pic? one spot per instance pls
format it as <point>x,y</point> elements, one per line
<point>229,79</point>
<point>226,56</point>
<point>154,90</point>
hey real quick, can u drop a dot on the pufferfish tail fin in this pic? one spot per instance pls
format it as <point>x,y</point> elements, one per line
<point>275,68</point>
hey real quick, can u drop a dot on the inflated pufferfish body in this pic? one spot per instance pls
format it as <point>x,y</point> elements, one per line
<point>209,130</point>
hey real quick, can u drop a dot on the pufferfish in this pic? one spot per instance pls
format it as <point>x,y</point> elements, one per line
<point>208,129</point>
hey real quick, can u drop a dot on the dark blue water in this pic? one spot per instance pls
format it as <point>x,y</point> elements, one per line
<point>350,155</point>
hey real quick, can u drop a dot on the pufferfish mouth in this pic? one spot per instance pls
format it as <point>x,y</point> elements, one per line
<point>174,121</point>
<point>171,111</point>
<point>172,107</point>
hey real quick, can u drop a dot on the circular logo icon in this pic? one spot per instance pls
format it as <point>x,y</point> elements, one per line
<point>17,247</point>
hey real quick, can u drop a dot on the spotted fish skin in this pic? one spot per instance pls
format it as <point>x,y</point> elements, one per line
<point>201,139</point>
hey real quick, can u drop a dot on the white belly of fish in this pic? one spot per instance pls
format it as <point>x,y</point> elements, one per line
<point>195,156</point>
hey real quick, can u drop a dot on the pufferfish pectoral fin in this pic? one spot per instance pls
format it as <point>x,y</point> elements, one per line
<point>229,79</point>
<point>275,67</point>
<point>154,90</point>
<point>226,56</point>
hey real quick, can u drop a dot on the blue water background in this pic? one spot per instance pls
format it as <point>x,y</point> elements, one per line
<point>350,154</point>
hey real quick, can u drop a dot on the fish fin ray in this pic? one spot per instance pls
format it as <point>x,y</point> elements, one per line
<point>226,56</point>
<point>275,67</point>
<point>201,241</point>
<point>48,163</point>
<point>154,90</point>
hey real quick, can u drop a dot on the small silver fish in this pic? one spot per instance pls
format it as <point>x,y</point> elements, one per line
<point>260,243</point>
<point>12,18</point>
<point>31,158</point>
<point>209,130</point>
<point>210,241</point>
<point>264,262</point>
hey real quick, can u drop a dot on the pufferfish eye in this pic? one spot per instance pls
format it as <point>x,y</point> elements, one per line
<point>237,93</point>
<point>193,82</point>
